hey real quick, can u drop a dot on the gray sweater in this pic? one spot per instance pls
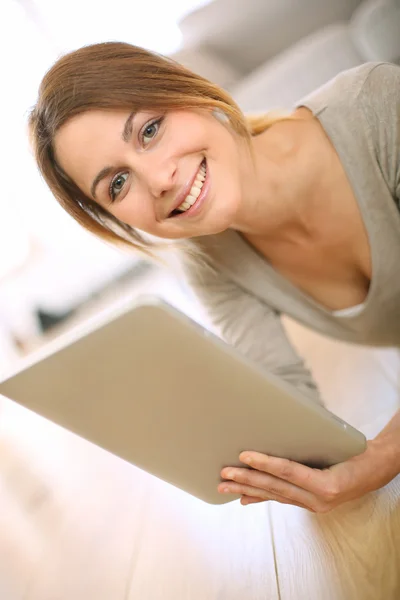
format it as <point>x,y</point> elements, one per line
<point>244,296</point>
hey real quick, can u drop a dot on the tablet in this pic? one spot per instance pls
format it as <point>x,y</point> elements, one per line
<point>155,388</point>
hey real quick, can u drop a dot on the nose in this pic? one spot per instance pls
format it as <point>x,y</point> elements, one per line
<point>160,177</point>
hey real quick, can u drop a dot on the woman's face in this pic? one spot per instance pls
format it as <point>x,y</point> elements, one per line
<point>176,175</point>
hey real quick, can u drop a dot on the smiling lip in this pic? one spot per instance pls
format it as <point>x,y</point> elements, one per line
<point>197,205</point>
<point>185,191</point>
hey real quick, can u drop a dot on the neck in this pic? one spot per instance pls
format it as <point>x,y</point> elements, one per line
<point>276,184</point>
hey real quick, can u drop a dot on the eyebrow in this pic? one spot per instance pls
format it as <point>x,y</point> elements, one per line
<point>128,127</point>
<point>103,173</point>
<point>126,136</point>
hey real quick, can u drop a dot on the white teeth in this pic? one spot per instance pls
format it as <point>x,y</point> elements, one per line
<point>194,191</point>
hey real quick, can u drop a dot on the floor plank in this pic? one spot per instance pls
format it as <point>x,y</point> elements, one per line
<point>352,553</point>
<point>65,517</point>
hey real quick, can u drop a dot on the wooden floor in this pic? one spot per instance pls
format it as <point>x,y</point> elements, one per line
<point>78,523</point>
<point>352,553</point>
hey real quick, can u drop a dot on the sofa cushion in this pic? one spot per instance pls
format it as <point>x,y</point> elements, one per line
<point>208,65</point>
<point>375,30</point>
<point>246,33</point>
<point>281,82</point>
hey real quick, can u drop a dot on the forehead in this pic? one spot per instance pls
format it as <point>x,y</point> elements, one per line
<point>88,142</point>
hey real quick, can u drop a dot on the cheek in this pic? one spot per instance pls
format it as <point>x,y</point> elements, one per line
<point>134,211</point>
<point>228,191</point>
<point>226,176</point>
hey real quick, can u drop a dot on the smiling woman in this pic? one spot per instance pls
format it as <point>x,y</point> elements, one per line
<point>292,213</point>
<point>88,106</point>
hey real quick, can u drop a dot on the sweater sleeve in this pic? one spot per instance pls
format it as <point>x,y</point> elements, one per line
<point>250,326</point>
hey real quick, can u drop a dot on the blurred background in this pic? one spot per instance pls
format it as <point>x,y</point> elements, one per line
<point>268,54</point>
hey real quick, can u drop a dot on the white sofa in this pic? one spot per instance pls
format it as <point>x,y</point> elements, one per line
<point>270,54</point>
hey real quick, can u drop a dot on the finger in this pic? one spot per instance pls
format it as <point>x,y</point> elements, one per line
<point>306,478</point>
<point>244,500</point>
<point>268,483</point>
<point>258,495</point>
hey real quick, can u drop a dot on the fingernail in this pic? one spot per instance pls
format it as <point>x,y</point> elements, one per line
<point>246,459</point>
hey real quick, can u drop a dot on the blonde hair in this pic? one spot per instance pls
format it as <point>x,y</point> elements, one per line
<point>119,76</point>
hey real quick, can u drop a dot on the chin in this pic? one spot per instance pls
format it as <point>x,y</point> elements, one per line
<point>222,217</point>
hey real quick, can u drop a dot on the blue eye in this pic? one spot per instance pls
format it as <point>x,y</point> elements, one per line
<point>117,185</point>
<point>150,130</point>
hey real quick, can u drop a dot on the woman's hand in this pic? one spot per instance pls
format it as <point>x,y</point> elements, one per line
<point>319,491</point>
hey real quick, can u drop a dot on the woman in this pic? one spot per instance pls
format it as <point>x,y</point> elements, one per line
<point>297,214</point>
